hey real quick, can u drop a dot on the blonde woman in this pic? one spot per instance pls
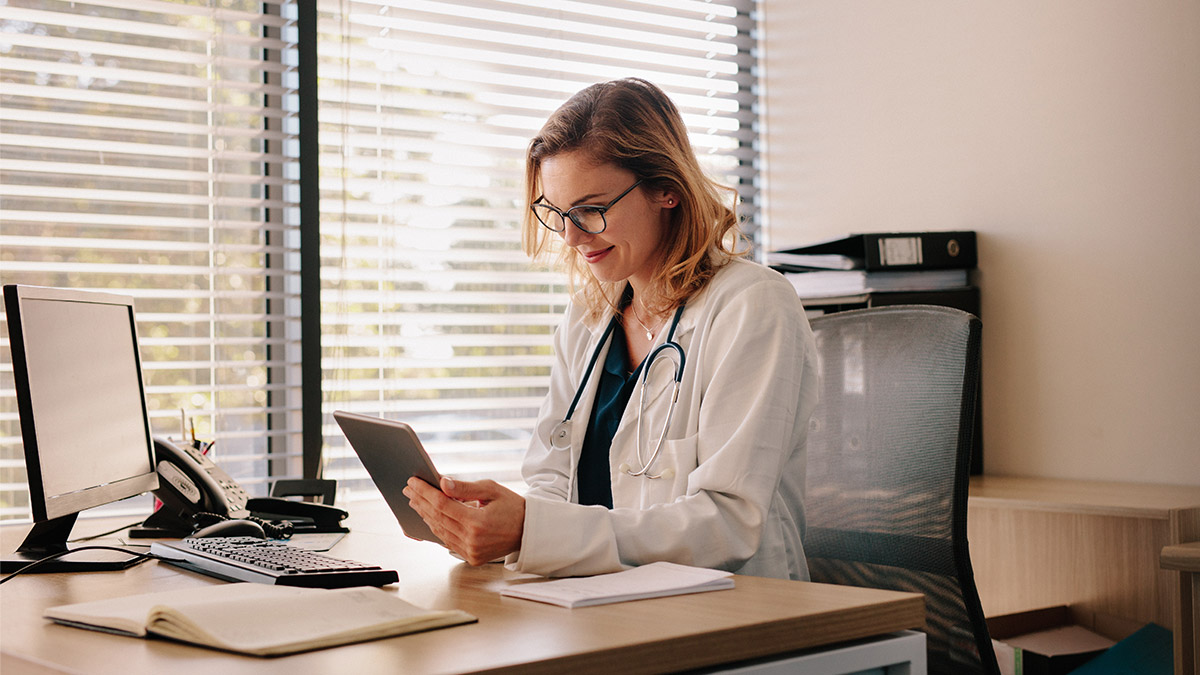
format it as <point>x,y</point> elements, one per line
<point>684,375</point>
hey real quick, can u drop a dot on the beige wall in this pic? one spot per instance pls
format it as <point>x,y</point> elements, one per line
<point>1067,134</point>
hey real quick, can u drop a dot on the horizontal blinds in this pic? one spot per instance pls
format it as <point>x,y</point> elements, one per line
<point>142,151</point>
<point>431,314</point>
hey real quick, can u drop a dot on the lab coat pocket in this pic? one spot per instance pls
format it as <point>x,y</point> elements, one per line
<point>673,466</point>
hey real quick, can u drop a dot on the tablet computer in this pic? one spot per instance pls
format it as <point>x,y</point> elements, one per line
<point>391,453</point>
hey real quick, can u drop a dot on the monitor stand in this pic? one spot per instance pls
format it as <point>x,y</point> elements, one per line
<point>50,537</point>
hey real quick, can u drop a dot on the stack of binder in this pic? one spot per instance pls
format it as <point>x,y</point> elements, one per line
<point>865,270</point>
<point>887,268</point>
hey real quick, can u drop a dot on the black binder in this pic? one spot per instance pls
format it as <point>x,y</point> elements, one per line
<point>883,251</point>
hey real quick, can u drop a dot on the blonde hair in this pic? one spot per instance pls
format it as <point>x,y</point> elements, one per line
<point>632,124</point>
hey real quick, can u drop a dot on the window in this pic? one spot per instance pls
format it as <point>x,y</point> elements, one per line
<point>142,152</point>
<point>430,311</point>
<point>151,147</point>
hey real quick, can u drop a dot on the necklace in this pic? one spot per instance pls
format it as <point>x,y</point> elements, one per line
<point>649,333</point>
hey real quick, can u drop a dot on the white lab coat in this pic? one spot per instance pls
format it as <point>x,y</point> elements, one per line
<point>741,423</point>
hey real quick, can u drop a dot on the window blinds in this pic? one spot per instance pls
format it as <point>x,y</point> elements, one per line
<point>148,147</point>
<point>142,151</point>
<point>431,313</point>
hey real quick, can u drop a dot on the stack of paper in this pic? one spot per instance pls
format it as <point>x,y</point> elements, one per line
<point>798,262</point>
<point>648,581</point>
<point>824,284</point>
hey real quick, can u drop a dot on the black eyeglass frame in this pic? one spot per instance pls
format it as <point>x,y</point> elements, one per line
<point>564,216</point>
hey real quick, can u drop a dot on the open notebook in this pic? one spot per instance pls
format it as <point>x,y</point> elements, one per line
<point>259,619</point>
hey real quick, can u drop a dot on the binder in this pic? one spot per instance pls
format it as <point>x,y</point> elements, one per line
<point>883,251</point>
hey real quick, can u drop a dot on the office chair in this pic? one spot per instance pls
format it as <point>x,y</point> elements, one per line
<point>889,451</point>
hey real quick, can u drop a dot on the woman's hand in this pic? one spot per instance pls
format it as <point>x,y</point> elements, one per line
<point>480,521</point>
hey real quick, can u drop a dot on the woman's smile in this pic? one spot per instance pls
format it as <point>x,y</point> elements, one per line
<point>592,257</point>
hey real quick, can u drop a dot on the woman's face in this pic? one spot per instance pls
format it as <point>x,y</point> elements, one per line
<point>628,248</point>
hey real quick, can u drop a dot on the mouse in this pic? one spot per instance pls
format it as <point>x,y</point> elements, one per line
<point>232,528</point>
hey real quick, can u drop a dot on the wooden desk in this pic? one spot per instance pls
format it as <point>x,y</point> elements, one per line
<point>759,618</point>
<point>1038,542</point>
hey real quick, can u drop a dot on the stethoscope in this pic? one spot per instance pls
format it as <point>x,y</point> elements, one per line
<point>560,436</point>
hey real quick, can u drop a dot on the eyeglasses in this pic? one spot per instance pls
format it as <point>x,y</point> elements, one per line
<point>588,218</point>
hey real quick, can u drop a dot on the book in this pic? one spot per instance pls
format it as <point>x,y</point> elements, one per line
<point>837,283</point>
<point>258,619</point>
<point>654,580</point>
<point>882,251</point>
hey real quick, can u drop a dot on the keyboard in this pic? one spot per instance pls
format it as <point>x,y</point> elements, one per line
<point>264,561</point>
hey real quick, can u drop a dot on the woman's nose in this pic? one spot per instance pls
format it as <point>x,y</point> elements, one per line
<point>572,235</point>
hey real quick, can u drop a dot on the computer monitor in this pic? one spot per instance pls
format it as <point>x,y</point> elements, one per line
<point>84,422</point>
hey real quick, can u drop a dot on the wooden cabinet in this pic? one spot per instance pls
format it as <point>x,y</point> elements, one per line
<point>1038,542</point>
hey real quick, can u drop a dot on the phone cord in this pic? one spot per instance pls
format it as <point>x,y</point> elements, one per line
<point>277,529</point>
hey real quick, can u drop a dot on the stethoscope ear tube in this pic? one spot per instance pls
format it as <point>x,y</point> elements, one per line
<point>662,436</point>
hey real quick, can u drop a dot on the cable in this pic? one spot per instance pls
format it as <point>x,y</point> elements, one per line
<point>140,557</point>
<point>282,529</point>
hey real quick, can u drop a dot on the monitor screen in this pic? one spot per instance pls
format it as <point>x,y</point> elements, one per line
<point>84,423</point>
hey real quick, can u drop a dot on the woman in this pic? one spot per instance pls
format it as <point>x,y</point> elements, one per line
<point>630,478</point>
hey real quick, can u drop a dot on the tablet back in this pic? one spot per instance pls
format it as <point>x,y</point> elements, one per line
<point>391,453</point>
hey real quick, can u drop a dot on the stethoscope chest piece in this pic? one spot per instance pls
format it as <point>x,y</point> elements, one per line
<point>560,437</point>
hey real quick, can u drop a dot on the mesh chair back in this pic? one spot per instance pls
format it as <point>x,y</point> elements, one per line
<point>888,466</point>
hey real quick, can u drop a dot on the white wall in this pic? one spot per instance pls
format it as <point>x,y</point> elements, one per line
<point>1067,134</point>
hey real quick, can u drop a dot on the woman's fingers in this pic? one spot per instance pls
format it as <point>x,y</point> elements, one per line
<point>479,520</point>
